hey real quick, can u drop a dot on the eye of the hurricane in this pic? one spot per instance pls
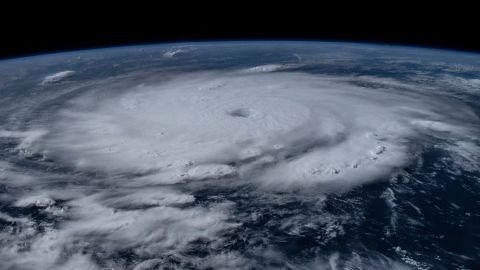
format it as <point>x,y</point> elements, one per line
<point>240,112</point>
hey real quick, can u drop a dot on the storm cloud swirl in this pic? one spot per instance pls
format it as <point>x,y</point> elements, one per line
<point>140,151</point>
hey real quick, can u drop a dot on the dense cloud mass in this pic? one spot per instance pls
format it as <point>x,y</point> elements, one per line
<point>126,170</point>
<point>280,131</point>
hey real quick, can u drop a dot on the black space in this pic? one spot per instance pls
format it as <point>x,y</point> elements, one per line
<point>79,27</point>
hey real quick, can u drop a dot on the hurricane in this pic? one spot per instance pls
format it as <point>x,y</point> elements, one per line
<point>240,156</point>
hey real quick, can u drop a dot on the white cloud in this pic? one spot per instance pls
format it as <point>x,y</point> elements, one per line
<point>56,77</point>
<point>293,132</point>
<point>270,68</point>
<point>265,68</point>
<point>312,130</point>
<point>173,52</point>
<point>149,222</point>
<point>177,50</point>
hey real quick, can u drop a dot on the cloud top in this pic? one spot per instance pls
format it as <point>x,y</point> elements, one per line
<point>57,77</point>
<point>148,158</point>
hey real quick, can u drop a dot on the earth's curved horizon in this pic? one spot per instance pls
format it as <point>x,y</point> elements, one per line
<point>241,155</point>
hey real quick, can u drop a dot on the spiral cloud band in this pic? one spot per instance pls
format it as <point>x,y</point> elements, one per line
<point>278,130</point>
